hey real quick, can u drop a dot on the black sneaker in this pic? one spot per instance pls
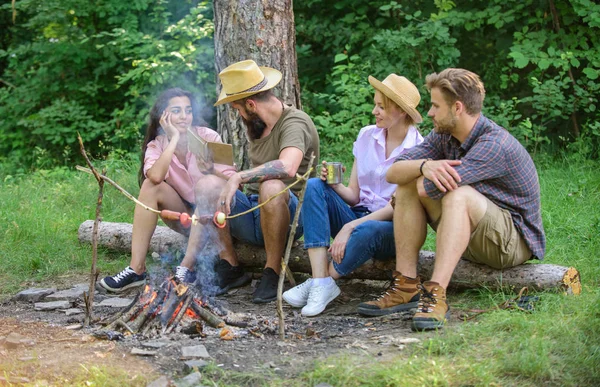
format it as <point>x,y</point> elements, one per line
<point>230,277</point>
<point>183,275</point>
<point>126,279</point>
<point>266,291</point>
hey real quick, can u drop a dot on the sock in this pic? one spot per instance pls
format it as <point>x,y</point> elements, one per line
<point>322,281</point>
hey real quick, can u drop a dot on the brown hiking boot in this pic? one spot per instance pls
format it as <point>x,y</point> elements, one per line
<point>403,294</point>
<point>433,311</point>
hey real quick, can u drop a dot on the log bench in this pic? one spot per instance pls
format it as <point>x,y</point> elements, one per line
<point>534,276</point>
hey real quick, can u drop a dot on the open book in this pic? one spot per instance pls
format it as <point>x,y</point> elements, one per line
<point>218,152</point>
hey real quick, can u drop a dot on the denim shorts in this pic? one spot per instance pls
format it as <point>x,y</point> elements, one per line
<point>246,228</point>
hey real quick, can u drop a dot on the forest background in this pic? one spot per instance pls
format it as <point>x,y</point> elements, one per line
<point>95,68</point>
<point>73,66</point>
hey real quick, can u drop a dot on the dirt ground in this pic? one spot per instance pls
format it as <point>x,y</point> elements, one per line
<point>53,353</point>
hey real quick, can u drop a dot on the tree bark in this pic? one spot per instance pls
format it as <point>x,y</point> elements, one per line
<point>117,236</point>
<point>261,30</point>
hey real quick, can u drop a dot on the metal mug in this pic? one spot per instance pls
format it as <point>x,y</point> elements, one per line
<point>335,173</point>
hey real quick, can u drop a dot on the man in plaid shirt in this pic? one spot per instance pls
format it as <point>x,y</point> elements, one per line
<point>475,184</point>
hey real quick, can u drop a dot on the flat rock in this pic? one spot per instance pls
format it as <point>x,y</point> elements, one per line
<point>163,381</point>
<point>52,305</point>
<point>33,294</point>
<point>192,380</point>
<point>192,365</point>
<point>14,340</point>
<point>116,302</point>
<point>142,352</point>
<point>156,344</point>
<point>72,311</point>
<point>75,293</point>
<point>195,351</point>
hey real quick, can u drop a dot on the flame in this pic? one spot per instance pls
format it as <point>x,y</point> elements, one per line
<point>190,313</point>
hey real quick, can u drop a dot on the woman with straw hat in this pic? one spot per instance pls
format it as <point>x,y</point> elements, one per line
<point>358,216</point>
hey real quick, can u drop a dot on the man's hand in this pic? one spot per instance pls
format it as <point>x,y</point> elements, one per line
<point>442,174</point>
<point>228,192</point>
<point>338,247</point>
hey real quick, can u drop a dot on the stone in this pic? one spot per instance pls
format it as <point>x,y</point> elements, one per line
<point>163,381</point>
<point>72,294</point>
<point>52,305</point>
<point>192,380</point>
<point>72,311</point>
<point>142,352</point>
<point>156,344</point>
<point>116,302</point>
<point>195,351</point>
<point>33,294</point>
<point>14,340</point>
<point>192,365</point>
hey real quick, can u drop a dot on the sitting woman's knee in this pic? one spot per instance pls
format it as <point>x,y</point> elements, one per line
<point>208,185</point>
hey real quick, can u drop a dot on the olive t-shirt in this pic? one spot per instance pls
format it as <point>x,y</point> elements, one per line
<point>293,129</point>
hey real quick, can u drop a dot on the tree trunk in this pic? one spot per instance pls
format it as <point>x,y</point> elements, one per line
<point>264,31</point>
<point>117,236</point>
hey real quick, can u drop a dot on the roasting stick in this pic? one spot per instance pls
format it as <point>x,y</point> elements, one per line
<point>218,218</point>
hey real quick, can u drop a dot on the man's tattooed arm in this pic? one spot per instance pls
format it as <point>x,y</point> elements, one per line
<point>268,171</point>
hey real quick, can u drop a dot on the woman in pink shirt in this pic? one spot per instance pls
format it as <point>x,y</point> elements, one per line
<point>168,175</point>
<point>358,216</point>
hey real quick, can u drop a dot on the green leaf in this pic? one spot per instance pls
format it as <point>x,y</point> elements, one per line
<point>575,62</point>
<point>340,57</point>
<point>543,64</point>
<point>590,72</point>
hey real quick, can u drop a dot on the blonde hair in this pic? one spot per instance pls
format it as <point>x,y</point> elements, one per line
<point>459,85</point>
<point>387,102</point>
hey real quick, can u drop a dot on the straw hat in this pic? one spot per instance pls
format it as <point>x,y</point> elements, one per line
<point>245,78</point>
<point>402,92</point>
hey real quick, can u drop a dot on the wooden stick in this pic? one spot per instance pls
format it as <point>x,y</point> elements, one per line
<point>189,298</point>
<point>118,187</point>
<point>89,297</point>
<point>288,249</point>
<point>212,319</point>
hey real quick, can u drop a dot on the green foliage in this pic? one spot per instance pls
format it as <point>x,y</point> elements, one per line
<point>94,68</point>
<point>540,61</point>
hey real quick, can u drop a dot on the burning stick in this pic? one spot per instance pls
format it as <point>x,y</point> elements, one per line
<point>212,319</point>
<point>288,249</point>
<point>89,297</point>
<point>189,298</point>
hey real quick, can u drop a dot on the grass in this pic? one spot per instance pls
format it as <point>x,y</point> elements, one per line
<point>557,345</point>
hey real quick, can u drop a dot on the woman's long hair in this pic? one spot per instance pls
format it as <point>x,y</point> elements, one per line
<point>153,129</point>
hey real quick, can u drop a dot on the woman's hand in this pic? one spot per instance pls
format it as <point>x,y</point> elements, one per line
<point>338,247</point>
<point>323,175</point>
<point>167,125</point>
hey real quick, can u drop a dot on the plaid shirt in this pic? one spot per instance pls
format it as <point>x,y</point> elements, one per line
<point>497,166</point>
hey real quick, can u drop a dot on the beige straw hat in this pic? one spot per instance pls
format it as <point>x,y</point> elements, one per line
<point>402,92</point>
<point>245,78</point>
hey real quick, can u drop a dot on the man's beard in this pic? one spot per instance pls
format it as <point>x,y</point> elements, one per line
<point>446,125</point>
<point>255,126</point>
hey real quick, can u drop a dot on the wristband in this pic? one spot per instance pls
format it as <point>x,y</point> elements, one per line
<point>421,167</point>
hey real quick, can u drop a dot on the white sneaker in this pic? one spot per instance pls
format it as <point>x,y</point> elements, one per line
<point>298,295</point>
<point>318,298</point>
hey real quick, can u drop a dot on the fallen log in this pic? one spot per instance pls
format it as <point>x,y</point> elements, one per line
<point>535,276</point>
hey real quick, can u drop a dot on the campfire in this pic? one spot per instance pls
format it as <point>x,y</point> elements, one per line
<point>170,307</point>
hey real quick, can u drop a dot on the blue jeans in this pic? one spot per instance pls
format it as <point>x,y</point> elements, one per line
<point>246,228</point>
<point>324,213</point>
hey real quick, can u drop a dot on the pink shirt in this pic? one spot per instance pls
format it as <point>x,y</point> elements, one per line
<point>372,165</point>
<point>179,177</point>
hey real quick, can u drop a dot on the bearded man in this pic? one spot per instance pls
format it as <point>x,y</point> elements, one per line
<point>281,141</point>
<point>474,184</point>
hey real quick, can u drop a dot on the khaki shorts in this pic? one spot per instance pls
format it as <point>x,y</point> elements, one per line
<point>496,242</point>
